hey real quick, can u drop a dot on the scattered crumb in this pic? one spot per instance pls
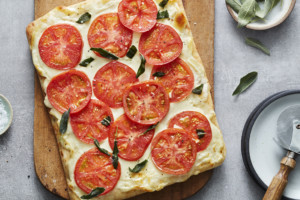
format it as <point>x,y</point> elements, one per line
<point>195,23</point>
<point>28,176</point>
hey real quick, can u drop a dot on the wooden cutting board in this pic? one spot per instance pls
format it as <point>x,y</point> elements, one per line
<point>48,166</point>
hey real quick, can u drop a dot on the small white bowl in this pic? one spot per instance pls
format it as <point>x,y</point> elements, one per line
<point>277,15</point>
<point>9,113</point>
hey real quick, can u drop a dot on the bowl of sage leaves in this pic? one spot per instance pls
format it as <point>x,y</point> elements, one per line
<point>260,14</point>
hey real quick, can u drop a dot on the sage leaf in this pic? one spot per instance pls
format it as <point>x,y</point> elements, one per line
<point>131,52</point>
<point>138,167</point>
<point>268,6</point>
<point>163,3</point>
<point>257,44</point>
<point>84,18</point>
<point>106,121</point>
<point>95,192</point>
<point>150,128</point>
<point>158,74</point>
<point>96,142</point>
<point>162,14</point>
<point>201,133</point>
<point>198,90</point>
<point>115,157</point>
<point>245,83</point>
<point>247,13</point>
<point>141,69</point>
<point>87,61</point>
<point>63,125</point>
<point>105,53</point>
<point>234,4</point>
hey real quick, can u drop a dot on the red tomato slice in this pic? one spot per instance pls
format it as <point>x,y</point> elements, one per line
<point>110,82</point>
<point>71,89</point>
<point>178,79</point>
<point>190,121</point>
<point>87,125</point>
<point>108,33</point>
<point>138,15</point>
<point>132,143</point>
<point>173,151</point>
<point>146,102</point>
<point>161,45</point>
<point>95,169</point>
<point>60,46</point>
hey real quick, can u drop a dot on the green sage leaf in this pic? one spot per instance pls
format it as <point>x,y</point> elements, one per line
<point>247,13</point>
<point>105,53</point>
<point>257,44</point>
<point>198,90</point>
<point>158,74</point>
<point>141,69</point>
<point>268,6</point>
<point>63,125</point>
<point>137,168</point>
<point>95,192</point>
<point>163,3</point>
<point>150,128</point>
<point>84,18</point>
<point>106,121</point>
<point>245,83</point>
<point>162,14</point>
<point>115,157</point>
<point>96,142</point>
<point>131,52</point>
<point>201,133</point>
<point>87,61</point>
<point>235,5</point>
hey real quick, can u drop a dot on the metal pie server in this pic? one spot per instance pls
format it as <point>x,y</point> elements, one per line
<point>288,137</point>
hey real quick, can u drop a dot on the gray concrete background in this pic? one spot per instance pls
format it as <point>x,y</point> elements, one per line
<point>233,59</point>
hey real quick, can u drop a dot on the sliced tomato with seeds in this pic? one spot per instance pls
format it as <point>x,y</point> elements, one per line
<point>110,82</point>
<point>61,46</point>
<point>160,45</point>
<point>95,169</point>
<point>178,79</point>
<point>131,137</point>
<point>71,89</point>
<point>138,15</point>
<point>108,33</point>
<point>190,121</point>
<point>146,102</point>
<point>87,125</point>
<point>173,151</point>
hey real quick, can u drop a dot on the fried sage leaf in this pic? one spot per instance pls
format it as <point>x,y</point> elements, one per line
<point>131,52</point>
<point>245,82</point>
<point>106,121</point>
<point>163,3</point>
<point>162,14</point>
<point>235,5</point>
<point>141,69</point>
<point>150,128</point>
<point>158,74</point>
<point>105,53</point>
<point>247,13</point>
<point>86,62</point>
<point>84,18</point>
<point>63,125</point>
<point>115,157</point>
<point>138,167</point>
<point>201,133</point>
<point>198,90</point>
<point>257,44</point>
<point>95,192</point>
<point>96,142</point>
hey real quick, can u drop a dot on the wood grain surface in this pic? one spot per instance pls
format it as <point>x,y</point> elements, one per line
<point>48,166</point>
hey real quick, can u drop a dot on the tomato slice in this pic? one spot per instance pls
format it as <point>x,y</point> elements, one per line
<point>178,79</point>
<point>61,46</point>
<point>173,151</point>
<point>87,125</point>
<point>108,33</point>
<point>71,89</point>
<point>190,121</point>
<point>161,45</point>
<point>131,137</point>
<point>95,169</point>
<point>146,102</point>
<point>110,82</point>
<point>138,15</point>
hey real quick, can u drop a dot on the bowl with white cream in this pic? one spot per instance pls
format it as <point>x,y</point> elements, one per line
<point>6,114</point>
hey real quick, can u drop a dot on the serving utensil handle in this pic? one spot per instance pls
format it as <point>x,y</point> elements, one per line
<point>280,181</point>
